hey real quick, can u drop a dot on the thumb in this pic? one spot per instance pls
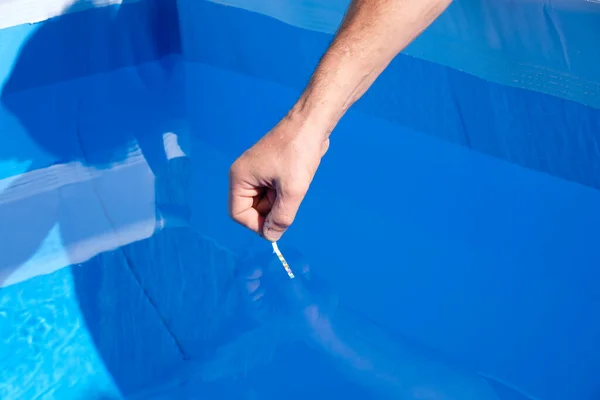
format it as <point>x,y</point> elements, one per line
<point>282,214</point>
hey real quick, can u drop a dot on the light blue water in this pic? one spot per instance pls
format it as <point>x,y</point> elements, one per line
<point>436,271</point>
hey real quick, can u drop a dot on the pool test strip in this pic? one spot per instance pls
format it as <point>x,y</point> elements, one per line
<point>283,262</point>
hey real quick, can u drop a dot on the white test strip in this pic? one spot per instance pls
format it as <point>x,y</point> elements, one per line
<point>283,262</point>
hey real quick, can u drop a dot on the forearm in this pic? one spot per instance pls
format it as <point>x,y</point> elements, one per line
<point>372,33</point>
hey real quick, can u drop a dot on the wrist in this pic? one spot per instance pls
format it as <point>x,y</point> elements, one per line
<point>313,117</point>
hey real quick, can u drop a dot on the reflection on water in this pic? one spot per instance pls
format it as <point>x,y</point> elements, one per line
<point>361,357</point>
<point>114,139</point>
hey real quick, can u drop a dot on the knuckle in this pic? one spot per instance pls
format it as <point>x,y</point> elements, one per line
<point>297,188</point>
<point>234,170</point>
<point>284,221</point>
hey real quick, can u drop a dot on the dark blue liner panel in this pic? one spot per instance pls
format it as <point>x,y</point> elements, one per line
<point>92,41</point>
<point>534,130</point>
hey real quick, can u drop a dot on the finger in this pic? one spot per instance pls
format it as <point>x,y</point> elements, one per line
<point>282,214</point>
<point>243,210</point>
<point>249,218</point>
<point>264,203</point>
<point>242,201</point>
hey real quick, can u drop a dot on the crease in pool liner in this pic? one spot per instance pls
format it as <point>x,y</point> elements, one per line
<point>509,385</point>
<point>128,262</point>
<point>257,348</point>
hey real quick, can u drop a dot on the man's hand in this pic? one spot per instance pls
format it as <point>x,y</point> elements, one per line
<point>269,181</point>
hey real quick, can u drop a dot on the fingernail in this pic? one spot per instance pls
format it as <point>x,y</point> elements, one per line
<point>269,235</point>
<point>268,232</point>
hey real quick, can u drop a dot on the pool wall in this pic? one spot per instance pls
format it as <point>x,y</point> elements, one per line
<point>548,49</point>
<point>474,229</point>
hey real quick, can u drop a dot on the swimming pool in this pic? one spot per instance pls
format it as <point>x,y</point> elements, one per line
<point>473,264</point>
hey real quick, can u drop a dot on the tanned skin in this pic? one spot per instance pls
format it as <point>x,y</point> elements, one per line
<point>269,181</point>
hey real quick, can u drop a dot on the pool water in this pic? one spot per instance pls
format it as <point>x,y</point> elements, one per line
<point>454,273</point>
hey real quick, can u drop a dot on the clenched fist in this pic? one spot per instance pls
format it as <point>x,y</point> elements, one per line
<point>268,182</point>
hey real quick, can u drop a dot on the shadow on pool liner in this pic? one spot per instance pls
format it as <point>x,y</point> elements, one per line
<point>75,110</point>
